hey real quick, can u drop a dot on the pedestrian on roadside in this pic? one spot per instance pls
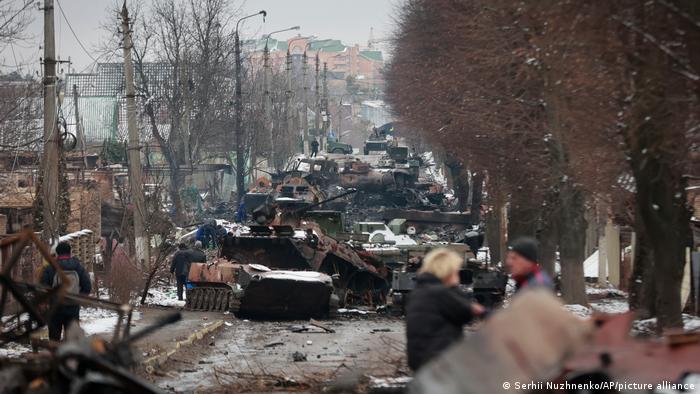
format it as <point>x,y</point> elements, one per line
<point>314,148</point>
<point>523,265</point>
<point>78,283</point>
<point>180,267</point>
<point>437,311</point>
<point>197,254</point>
<point>241,214</point>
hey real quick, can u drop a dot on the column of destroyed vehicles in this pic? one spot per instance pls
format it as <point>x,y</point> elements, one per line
<point>339,231</point>
<point>328,233</point>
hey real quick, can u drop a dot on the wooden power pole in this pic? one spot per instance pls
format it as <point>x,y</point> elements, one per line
<point>135,177</point>
<point>52,139</point>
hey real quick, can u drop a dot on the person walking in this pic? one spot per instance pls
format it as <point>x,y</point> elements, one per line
<point>314,147</point>
<point>522,263</point>
<point>180,267</point>
<point>78,283</point>
<point>196,254</point>
<point>436,311</point>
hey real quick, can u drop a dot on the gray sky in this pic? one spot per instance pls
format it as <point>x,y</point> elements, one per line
<point>347,20</point>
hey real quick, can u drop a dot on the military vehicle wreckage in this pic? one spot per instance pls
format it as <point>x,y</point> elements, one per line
<point>295,249</point>
<point>288,268</point>
<point>78,365</point>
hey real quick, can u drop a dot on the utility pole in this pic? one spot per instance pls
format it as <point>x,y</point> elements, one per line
<point>324,103</point>
<point>305,99</point>
<point>52,140</point>
<point>267,104</point>
<point>267,76</point>
<point>288,95</point>
<point>80,135</point>
<point>238,107</point>
<point>141,242</point>
<point>317,109</point>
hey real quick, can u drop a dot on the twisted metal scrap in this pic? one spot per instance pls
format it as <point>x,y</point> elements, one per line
<point>30,298</point>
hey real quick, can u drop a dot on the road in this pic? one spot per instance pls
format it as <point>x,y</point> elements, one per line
<point>251,356</point>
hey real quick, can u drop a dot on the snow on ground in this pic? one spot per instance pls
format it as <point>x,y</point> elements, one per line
<point>164,296</point>
<point>96,321</point>
<point>14,350</point>
<point>605,291</point>
<point>578,310</point>
<point>648,326</point>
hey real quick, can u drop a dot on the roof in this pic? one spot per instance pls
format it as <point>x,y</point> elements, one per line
<point>273,45</point>
<point>373,55</point>
<point>327,46</point>
<point>101,97</point>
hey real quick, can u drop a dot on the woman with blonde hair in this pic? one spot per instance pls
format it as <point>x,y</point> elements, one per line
<point>436,312</point>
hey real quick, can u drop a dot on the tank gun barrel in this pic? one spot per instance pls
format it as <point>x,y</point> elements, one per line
<point>341,195</point>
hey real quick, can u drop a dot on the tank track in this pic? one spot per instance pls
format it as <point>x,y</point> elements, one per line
<point>213,299</point>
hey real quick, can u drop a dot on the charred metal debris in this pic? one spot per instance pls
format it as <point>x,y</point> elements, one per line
<point>78,365</point>
<point>338,231</point>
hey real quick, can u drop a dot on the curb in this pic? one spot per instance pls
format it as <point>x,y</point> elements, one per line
<point>154,361</point>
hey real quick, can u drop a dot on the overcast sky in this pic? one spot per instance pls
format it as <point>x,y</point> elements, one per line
<point>347,20</point>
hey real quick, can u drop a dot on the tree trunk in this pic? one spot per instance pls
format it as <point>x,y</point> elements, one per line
<point>656,148</point>
<point>176,184</point>
<point>460,183</point>
<point>548,239</point>
<point>522,217</point>
<point>642,287</point>
<point>572,244</point>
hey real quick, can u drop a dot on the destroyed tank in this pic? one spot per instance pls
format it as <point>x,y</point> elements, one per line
<point>256,291</point>
<point>363,177</point>
<point>286,268</point>
<point>309,249</point>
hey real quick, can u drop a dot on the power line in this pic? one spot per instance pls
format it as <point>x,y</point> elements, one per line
<point>73,31</point>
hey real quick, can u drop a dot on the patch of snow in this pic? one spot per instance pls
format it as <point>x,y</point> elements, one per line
<point>164,296</point>
<point>611,306</point>
<point>578,310</point>
<point>353,311</point>
<point>606,291</point>
<point>691,323</point>
<point>96,321</point>
<point>389,237</point>
<point>299,276</point>
<point>14,350</point>
<point>389,383</point>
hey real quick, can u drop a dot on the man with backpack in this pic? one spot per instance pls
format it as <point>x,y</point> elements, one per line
<point>78,283</point>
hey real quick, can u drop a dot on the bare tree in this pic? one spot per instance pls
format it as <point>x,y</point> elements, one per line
<point>15,16</point>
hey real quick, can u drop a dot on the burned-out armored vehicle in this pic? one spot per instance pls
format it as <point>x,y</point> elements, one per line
<point>256,291</point>
<point>484,284</point>
<point>308,249</point>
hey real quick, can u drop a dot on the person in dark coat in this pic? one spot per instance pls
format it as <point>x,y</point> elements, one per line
<point>196,254</point>
<point>436,311</point>
<point>521,261</point>
<point>79,282</point>
<point>314,148</point>
<point>180,267</point>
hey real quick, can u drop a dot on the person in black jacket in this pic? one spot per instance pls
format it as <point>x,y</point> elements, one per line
<point>180,267</point>
<point>436,311</point>
<point>79,282</point>
<point>196,254</point>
